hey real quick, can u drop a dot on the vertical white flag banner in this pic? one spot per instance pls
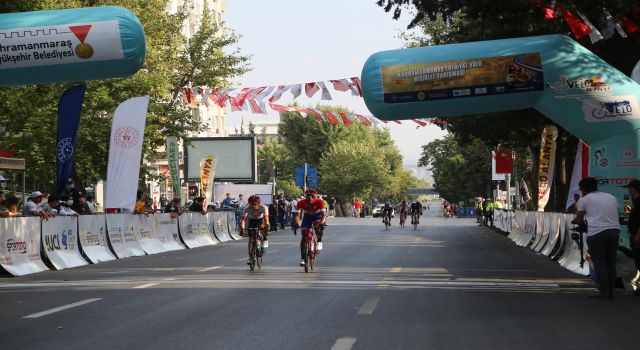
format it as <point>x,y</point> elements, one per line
<point>580,171</point>
<point>125,153</point>
<point>546,164</point>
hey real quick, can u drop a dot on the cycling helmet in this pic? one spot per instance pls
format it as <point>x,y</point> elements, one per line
<point>254,200</point>
<point>311,192</point>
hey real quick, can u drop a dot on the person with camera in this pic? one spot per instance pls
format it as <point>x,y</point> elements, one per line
<point>634,228</point>
<point>599,212</point>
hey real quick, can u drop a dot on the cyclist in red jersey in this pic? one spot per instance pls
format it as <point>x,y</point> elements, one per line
<point>313,210</point>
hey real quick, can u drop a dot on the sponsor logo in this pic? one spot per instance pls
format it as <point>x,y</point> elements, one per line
<point>422,96</point>
<point>462,92</point>
<point>581,86</point>
<point>499,89</point>
<point>16,246</point>
<point>480,91</point>
<point>628,159</point>
<point>64,149</point>
<point>52,242</point>
<point>599,158</point>
<point>610,109</point>
<point>616,181</point>
<point>126,137</point>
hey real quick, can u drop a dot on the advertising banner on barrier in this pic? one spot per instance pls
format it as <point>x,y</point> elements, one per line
<point>194,231</point>
<point>234,226</point>
<point>20,245</point>
<point>220,226</point>
<point>166,229</point>
<point>546,164</point>
<point>144,226</point>
<point>60,242</point>
<point>92,234</point>
<point>122,236</point>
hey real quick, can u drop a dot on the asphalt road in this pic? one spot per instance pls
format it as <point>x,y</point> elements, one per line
<point>447,285</point>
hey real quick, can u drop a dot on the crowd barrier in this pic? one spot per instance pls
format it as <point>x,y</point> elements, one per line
<point>92,233</point>
<point>20,246</point>
<point>194,229</point>
<point>220,225</point>
<point>466,212</point>
<point>545,233</point>
<point>28,244</point>
<point>234,225</point>
<point>60,242</point>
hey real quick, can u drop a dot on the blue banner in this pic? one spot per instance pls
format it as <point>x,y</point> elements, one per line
<point>69,110</point>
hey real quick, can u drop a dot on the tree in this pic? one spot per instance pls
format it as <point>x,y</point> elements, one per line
<point>460,172</point>
<point>171,62</point>
<point>353,169</point>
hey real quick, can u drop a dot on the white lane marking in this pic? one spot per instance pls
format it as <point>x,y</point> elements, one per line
<point>396,269</point>
<point>61,308</point>
<point>430,283</point>
<point>211,268</point>
<point>169,279</point>
<point>369,306</point>
<point>146,285</point>
<point>344,344</point>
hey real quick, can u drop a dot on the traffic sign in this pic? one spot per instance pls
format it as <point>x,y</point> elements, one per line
<point>312,173</point>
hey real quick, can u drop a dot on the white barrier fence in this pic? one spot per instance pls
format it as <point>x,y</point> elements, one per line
<point>548,234</point>
<point>60,241</point>
<point>20,246</point>
<point>92,231</point>
<point>26,243</point>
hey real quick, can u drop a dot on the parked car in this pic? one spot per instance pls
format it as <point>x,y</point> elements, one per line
<point>377,211</point>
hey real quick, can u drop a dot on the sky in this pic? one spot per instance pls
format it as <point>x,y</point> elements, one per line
<point>299,41</point>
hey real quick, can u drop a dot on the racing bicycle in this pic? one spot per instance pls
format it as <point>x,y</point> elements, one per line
<point>415,218</point>
<point>256,250</point>
<point>386,220</point>
<point>310,244</point>
<point>403,217</point>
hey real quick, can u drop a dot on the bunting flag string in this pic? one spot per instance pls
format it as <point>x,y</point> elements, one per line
<point>580,25</point>
<point>257,99</point>
<point>236,98</point>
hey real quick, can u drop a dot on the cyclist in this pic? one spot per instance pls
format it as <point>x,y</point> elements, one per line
<point>416,211</point>
<point>386,213</point>
<point>313,212</point>
<point>256,216</point>
<point>445,208</point>
<point>402,208</point>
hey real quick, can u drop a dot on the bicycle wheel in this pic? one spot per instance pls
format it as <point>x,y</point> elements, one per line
<point>312,261</point>
<point>252,253</point>
<point>259,256</point>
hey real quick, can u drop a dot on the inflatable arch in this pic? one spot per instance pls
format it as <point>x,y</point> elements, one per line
<point>552,73</point>
<point>69,45</point>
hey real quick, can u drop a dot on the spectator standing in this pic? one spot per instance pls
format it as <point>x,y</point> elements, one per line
<point>332,202</point>
<point>273,214</point>
<point>173,207</point>
<point>357,206</point>
<point>197,205</point>
<point>79,203</point>
<point>599,211</point>
<point>32,205</point>
<point>294,211</point>
<point>241,203</point>
<point>90,205</point>
<point>634,229</point>
<point>282,210</point>
<point>228,201</point>
<point>65,207</point>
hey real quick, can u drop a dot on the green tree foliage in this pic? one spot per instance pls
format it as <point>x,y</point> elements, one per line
<point>353,169</point>
<point>325,145</point>
<point>439,22</point>
<point>460,172</point>
<point>171,62</point>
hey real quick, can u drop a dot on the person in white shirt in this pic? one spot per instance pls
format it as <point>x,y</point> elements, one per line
<point>599,211</point>
<point>241,203</point>
<point>90,205</point>
<point>54,207</point>
<point>32,205</point>
<point>294,212</point>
